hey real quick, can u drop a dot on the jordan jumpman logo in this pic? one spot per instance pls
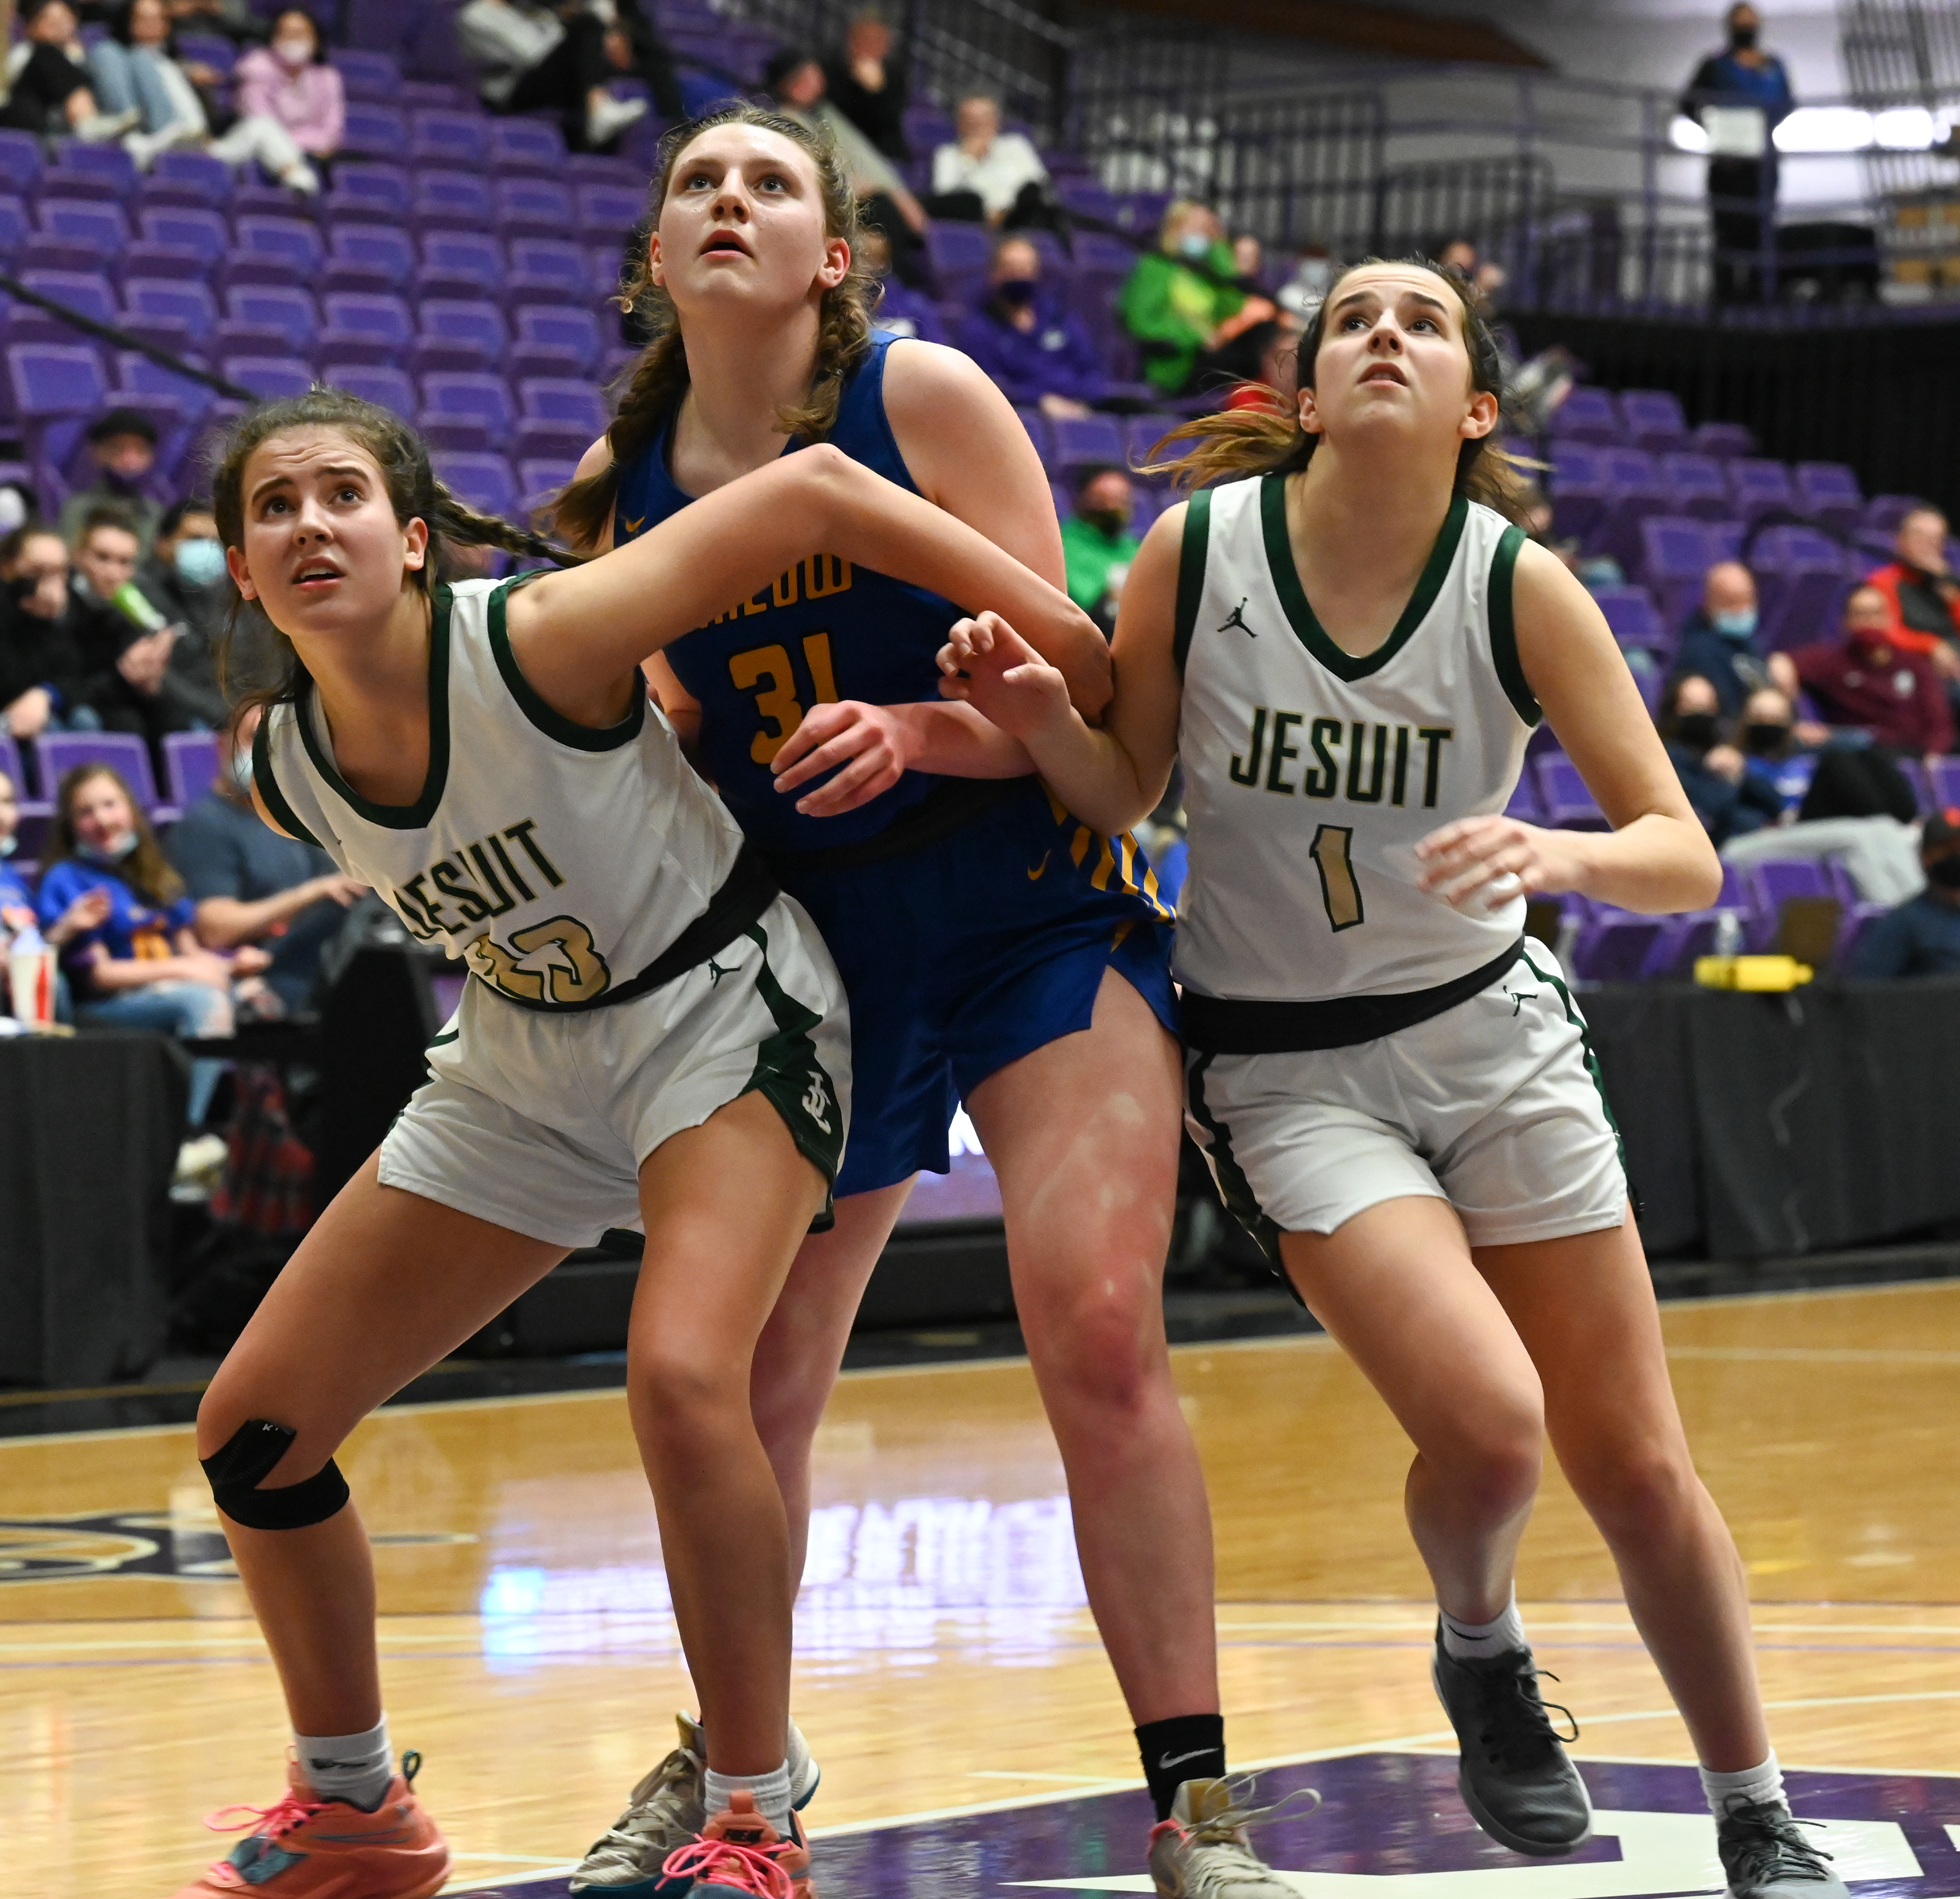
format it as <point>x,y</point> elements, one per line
<point>1237,618</point>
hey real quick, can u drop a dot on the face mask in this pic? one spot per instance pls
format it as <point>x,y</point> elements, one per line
<point>293,52</point>
<point>1108,520</point>
<point>199,562</point>
<point>1739,624</point>
<point>1019,291</point>
<point>1743,39</point>
<point>123,484</point>
<point>1765,737</point>
<point>9,844</point>
<point>112,853</point>
<point>1698,730</point>
<point>1945,871</point>
<point>1194,245</point>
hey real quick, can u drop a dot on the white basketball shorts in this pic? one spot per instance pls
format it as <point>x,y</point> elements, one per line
<point>540,1122</point>
<point>1495,1106</point>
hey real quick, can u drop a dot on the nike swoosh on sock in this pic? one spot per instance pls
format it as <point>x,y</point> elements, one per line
<point>1178,1760</point>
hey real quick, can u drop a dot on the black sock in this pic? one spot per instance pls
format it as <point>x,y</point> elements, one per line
<point>1187,1747</point>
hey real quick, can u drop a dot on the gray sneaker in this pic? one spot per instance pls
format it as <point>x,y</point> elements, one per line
<point>1202,1851</point>
<point>1766,1857</point>
<point>665,1813</point>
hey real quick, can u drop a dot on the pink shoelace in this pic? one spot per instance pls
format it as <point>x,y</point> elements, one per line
<point>712,1860</point>
<point>281,1817</point>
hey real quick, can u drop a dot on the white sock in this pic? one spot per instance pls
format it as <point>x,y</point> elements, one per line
<point>1481,1641</point>
<point>771,1792</point>
<point>356,1768</point>
<point>1759,1785</point>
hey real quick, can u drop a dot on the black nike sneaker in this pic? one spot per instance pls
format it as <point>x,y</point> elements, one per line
<point>1514,1774</point>
<point>1766,1857</point>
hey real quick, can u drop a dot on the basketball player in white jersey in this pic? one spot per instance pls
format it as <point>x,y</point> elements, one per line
<point>653,1034</point>
<point>1347,648</point>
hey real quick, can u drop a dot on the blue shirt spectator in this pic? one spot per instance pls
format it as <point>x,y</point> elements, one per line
<point>1722,639</point>
<point>1730,802</point>
<point>1778,751</point>
<point>135,929</point>
<point>1036,351</point>
<point>1922,936</point>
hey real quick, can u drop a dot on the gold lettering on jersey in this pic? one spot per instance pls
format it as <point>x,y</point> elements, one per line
<point>577,972</point>
<point>1378,757</point>
<point>816,578</point>
<point>480,882</point>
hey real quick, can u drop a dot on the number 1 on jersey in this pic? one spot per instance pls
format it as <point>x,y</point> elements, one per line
<point>1339,889</point>
<point>770,668</point>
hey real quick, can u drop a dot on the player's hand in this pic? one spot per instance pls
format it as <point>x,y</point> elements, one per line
<point>1480,864</point>
<point>988,665</point>
<point>872,743</point>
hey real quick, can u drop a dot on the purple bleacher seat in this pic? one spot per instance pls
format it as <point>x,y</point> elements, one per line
<point>144,376</point>
<point>607,212</point>
<point>561,398</point>
<point>534,147</point>
<point>1637,490</point>
<point>374,132</point>
<point>1635,620</point>
<point>383,318</point>
<point>1883,513</point>
<point>1613,946</point>
<point>485,482</point>
<point>958,255</point>
<point>533,208</point>
<point>1945,783</point>
<point>288,312</point>
<point>1681,939</point>
<point>57,753</point>
<point>1588,415</point>
<point>483,398</point>
<point>87,292</point>
<point>374,78</point>
<point>21,160</point>
<point>270,378</point>
<point>1037,423</point>
<point>191,766</point>
<point>1760,488</point>
<point>1696,486</point>
<point>234,336</point>
<point>110,163</point>
<point>211,50</point>
<point>203,232</point>
<point>539,476</point>
<point>553,340</point>
<point>1828,492</point>
<point>1914,772</point>
<point>456,434</point>
<point>104,226</point>
<point>191,304</point>
<point>460,263</point>
<point>390,389</point>
<point>367,257</point>
<point>537,440</point>
<point>1079,440</point>
<point>1087,200</point>
<point>605,271</point>
<point>1800,580</point>
<point>1524,804</point>
<point>163,264</point>
<point>371,191</point>
<point>1580,490</point>
<point>456,200</point>
<point>458,333</point>
<point>1653,420</point>
<point>13,226</point>
<point>292,241</point>
<point>1676,553</point>
<point>458,138</point>
<point>17,766</point>
<point>550,267</point>
<point>41,252</point>
<point>1562,792</point>
<point>1724,440</point>
<point>197,173</point>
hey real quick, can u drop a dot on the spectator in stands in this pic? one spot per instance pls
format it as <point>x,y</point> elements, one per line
<point>17,911</point>
<point>250,885</point>
<point>43,676</point>
<point>901,310</point>
<point>797,85</point>
<point>1865,680</point>
<point>291,80</point>
<point>538,59</point>
<point>137,66</point>
<point>1779,750</point>
<point>184,580</point>
<point>1922,936</point>
<point>1924,593</point>
<point>1739,96</point>
<point>1458,256</point>
<point>1729,801</point>
<point>1722,639</point>
<point>866,88</point>
<point>1032,346</point>
<point>987,176</point>
<point>1097,547</point>
<point>1181,304</point>
<point>122,445</point>
<point>47,74</point>
<point>142,967</point>
<point>1248,264</point>
<point>234,18</point>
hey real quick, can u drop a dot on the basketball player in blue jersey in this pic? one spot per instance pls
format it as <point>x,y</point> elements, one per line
<point>994,948</point>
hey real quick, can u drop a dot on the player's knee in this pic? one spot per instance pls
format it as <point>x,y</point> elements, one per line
<point>240,1455</point>
<point>1635,1491</point>
<point>1099,1352</point>
<point>680,1396</point>
<point>1493,1461</point>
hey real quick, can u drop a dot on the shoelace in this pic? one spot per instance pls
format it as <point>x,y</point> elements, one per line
<point>709,1860</point>
<point>1773,1846</point>
<point>1520,1732</point>
<point>274,1822</point>
<point>652,1811</point>
<point>1232,1860</point>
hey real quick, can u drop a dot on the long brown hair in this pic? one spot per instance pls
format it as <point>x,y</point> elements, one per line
<point>1268,439</point>
<point>659,377</point>
<point>413,491</point>
<point>146,870</point>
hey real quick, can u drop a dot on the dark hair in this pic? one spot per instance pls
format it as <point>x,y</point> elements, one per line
<point>106,516</point>
<point>120,24</point>
<point>413,491</point>
<point>660,376</point>
<point>123,421</point>
<point>35,8</point>
<point>173,515</point>
<point>146,870</point>
<point>1269,440</point>
<point>1667,713</point>
<point>14,544</point>
<point>1095,471</point>
<point>319,38</point>
<point>780,65</point>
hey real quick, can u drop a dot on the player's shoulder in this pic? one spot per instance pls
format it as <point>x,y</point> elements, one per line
<point>926,379</point>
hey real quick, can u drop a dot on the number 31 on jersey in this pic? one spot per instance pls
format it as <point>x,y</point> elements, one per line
<point>769,673</point>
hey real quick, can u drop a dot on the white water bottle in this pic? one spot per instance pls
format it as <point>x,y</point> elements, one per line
<point>30,978</point>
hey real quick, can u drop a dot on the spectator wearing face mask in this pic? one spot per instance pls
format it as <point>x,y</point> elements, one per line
<point>1924,593</point>
<point>1739,96</point>
<point>184,582</point>
<point>251,885</point>
<point>1722,639</point>
<point>43,676</point>
<point>1097,547</point>
<point>1181,304</point>
<point>122,445</point>
<point>1865,678</point>
<point>17,911</point>
<point>289,80</point>
<point>1778,750</point>
<point>1922,936</point>
<point>1033,347</point>
<point>1728,799</point>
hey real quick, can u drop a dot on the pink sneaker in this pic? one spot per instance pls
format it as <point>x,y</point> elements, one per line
<point>302,1847</point>
<point>740,1855</point>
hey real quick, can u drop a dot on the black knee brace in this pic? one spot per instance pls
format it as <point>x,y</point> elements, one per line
<point>236,1472</point>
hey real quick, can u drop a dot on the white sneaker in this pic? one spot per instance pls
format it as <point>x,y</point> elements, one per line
<point>100,127</point>
<point>608,117</point>
<point>1202,1851</point>
<point>201,1164</point>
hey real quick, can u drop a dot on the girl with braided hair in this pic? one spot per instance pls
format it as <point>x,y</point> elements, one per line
<point>653,1035</point>
<point>994,948</point>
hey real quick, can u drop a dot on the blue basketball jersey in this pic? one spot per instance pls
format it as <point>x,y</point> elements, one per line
<point>824,631</point>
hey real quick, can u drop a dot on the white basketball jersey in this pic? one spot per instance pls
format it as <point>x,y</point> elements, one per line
<point>1310,776</point>
<point>557,861</point>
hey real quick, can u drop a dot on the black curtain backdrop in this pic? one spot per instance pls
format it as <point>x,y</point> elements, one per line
<point>1884,397</point>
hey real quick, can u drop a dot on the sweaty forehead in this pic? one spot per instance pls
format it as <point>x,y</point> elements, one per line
<point>296,451</point>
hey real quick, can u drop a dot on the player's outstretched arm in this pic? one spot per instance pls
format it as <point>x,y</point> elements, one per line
<point>580,631</point>
<point>1656,857</point>
<point>1108,777</point>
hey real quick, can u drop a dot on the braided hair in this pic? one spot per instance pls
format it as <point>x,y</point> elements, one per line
<point>660,378</point>
<point>413,491</point>
<point>1268,439</point>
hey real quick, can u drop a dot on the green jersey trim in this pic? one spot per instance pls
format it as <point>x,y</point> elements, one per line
<point>1306,623</point>
<point>552,723</point>
<point>1504,629</point>
<point>1233,1187</point>
<point>399,817</point>
<point>1192,555</point>
<point>269,794</point>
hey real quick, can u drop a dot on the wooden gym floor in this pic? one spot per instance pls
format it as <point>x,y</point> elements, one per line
<point>945,1658</point>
